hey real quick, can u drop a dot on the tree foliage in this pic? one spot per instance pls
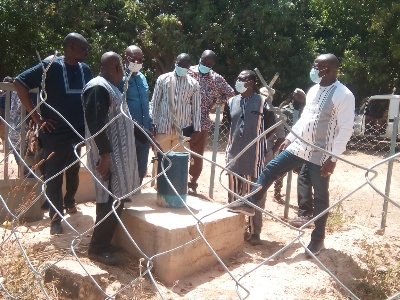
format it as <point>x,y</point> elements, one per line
<point>274,35</point>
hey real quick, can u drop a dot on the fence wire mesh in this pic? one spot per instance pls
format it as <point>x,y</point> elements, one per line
<point>26,263</point>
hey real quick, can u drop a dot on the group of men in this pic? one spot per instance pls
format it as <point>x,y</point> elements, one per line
<point>78,105</point>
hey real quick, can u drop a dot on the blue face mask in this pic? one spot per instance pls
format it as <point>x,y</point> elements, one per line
<point>180,71</point>
<point>203,69</point>
<point>239,86</point>
<point>314,76</point>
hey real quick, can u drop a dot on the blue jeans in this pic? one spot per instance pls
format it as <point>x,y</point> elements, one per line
<point>142,153</point>
<point>285,162</point>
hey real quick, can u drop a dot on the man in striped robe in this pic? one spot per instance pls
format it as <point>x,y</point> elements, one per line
<point>249,117</point>
<point>112,154</point>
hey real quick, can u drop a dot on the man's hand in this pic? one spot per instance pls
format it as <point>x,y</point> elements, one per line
<point>44,124</point>
<point>277,144</point>
<point>284,145</point>
<point>327,168</point>
<point>103,165</point>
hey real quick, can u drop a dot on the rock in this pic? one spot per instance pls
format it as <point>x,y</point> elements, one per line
<point>73,282</point>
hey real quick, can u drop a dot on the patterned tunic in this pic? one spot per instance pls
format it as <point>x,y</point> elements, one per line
<point>213,89</point>
<point>327,122</point>
<point>254,120</point>
<point>120,133</point>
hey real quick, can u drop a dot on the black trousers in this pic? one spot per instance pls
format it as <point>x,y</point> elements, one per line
<point>58,155</point>
<point>104,231</point>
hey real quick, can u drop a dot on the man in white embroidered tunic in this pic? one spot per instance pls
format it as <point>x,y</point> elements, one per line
<point>112,154</point>
<point>326,122</point>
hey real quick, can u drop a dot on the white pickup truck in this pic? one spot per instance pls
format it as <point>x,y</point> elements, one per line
<point>374,121</point>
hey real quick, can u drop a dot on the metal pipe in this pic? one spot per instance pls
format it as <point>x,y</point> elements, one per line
<point>214,150</point>
<point>389,172</point>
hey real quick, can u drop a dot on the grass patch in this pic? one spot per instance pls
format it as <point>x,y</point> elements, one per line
<point>338,219</point>
<point>382,278</point>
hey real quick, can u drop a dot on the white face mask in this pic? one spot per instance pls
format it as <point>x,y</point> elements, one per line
<point>314,75</point>
<point>134,67</point>
<point>239,86</point>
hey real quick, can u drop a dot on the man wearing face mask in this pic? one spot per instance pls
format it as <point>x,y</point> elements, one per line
<point>175,104</point>
<point>137,98</point>
<point>213,89</point>
<point>249,116</point>
<point>327,122</point>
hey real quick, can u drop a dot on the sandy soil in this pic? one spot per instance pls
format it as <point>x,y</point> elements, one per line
<point>289,275</point>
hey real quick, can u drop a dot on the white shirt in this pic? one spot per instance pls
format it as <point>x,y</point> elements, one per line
<point>327,122</point>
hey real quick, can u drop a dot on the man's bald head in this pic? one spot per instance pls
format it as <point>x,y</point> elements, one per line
<point>133,54</point>
<point>111,67</point>
<point>330,59</point>
<point>328,68</point>
<point>73,37</point>
<point>208,58</point>
<point>132,49</point>
<point>183,60</point>
<point>209,54</point>
<point>76,48</point>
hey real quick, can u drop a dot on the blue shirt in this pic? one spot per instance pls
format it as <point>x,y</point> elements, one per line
<point>137,98</point>
<point>64,85</point>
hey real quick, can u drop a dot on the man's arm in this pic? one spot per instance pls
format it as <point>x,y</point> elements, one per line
<point>154,104</point>
<point>96,102</point>
<point>345,122</point>
<point>225,90</point>
<point>196,108</point>
<point>27,80</point>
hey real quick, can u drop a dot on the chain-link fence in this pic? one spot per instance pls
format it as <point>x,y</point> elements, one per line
<point>26,263</point>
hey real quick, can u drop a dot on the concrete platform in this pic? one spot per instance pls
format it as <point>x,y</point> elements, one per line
<point>156,229</point>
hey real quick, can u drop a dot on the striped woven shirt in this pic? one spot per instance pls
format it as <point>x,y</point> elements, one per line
<point>186,102</point>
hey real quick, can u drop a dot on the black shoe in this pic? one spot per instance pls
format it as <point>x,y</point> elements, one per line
<point>114,249</point>
<point>241,207</point>
<point>192,191</point>
<point>255,240</point>
<point>104,258</point>
<point>300,221</point>
<point>45,205</point>
<point>315,247</point>
<point>71,210</point>
<point>56,228</point>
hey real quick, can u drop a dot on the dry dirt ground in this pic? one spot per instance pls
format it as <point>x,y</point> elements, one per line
<point>354,246</point>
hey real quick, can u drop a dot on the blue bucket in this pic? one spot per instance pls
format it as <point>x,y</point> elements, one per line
<point>177,175</point>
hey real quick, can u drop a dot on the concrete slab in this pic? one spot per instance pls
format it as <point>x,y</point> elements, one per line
<point>19,194</point>
<point>157,229</point>
<point>73,282</point>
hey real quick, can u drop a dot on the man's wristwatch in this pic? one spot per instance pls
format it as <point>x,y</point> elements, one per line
<point>333,159</point>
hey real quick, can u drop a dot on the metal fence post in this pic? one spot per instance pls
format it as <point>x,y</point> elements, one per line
<point>289,176</point>
<point>214,149</point>
<point>389,171</point>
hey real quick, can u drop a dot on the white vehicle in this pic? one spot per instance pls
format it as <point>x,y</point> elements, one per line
<point>374,121</point>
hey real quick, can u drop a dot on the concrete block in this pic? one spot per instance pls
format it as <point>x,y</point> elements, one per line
<point>20,194</point>
<point>73,282</point>
<point>157,229</point>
